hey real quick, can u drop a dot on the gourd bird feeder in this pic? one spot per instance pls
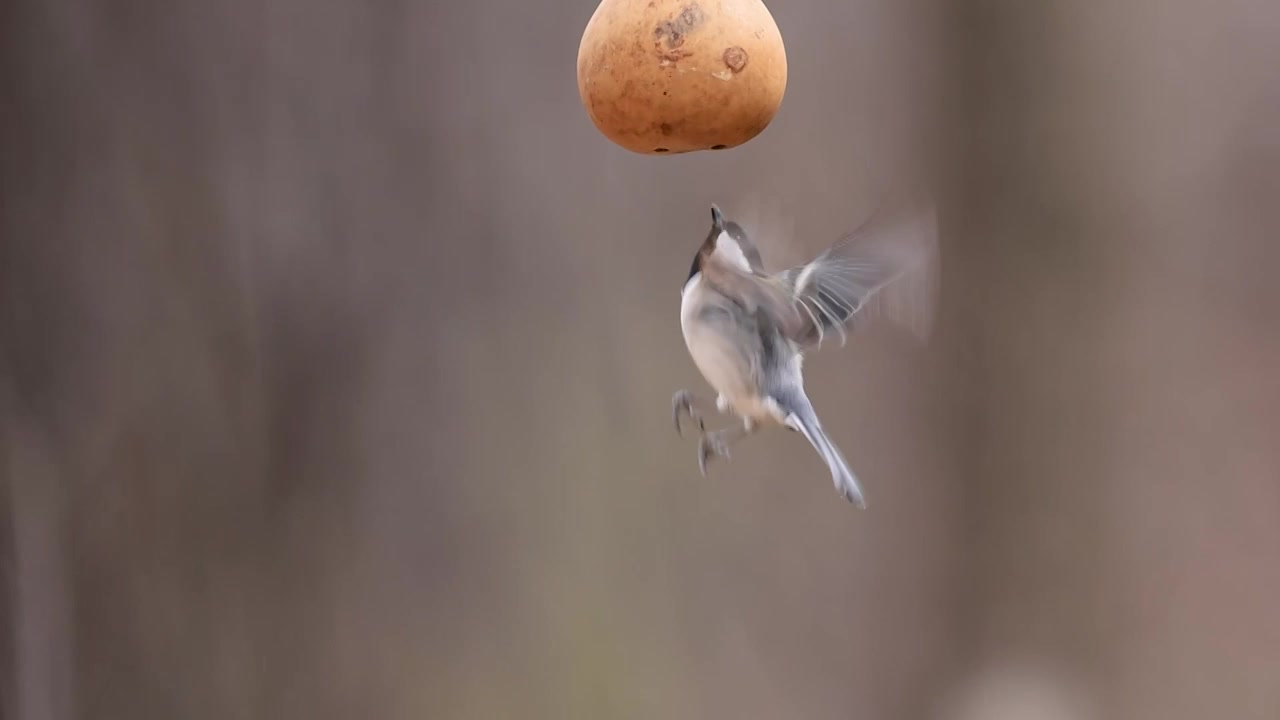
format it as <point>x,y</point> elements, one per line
<point>676,76</point>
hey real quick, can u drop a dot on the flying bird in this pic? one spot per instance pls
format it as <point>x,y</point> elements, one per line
<point>748,330</point>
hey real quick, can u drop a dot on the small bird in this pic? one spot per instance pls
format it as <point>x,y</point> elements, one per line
<point>748,331</point>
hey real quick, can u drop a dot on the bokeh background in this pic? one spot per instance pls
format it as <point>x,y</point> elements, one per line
<point>338,350</point>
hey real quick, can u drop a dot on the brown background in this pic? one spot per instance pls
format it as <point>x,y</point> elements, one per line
<point>338,350</point>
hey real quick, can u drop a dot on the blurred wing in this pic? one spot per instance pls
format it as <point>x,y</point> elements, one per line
<point>887,266</point>
<point>757,292</point>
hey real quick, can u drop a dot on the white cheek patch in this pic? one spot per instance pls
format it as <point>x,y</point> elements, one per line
<point>730,251</point>
<point>691,284</point>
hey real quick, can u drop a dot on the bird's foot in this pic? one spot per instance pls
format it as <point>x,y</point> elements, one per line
<point>712,443</point>
<point>682,404</point>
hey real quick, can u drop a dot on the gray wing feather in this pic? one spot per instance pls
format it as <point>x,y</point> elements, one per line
<point>888,264</point>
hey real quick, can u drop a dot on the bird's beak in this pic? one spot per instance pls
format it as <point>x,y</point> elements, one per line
<point>717,217</point>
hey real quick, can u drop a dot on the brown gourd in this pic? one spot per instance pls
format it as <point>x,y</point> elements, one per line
<point>675,76</point>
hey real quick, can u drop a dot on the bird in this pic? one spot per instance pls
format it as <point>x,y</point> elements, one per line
<point>748,331</point>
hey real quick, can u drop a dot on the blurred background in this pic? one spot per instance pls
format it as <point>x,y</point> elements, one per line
<point>338,350</point>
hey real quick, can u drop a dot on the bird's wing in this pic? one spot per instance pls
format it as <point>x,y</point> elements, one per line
<point>888,264</point>
<point>757,292</point>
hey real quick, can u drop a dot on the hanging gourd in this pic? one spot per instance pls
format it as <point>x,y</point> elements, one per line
<point>675,76</point>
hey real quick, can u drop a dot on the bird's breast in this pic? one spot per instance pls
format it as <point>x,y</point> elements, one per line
<point>723,346</point>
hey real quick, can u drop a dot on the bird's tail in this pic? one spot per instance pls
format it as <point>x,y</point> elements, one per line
<point>801,417</point>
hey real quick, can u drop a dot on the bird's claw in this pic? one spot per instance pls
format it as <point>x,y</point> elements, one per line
<point>711,444</point>
<point>682,404</point>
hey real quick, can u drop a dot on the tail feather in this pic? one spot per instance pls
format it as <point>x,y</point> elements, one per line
<point>804,419</point>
